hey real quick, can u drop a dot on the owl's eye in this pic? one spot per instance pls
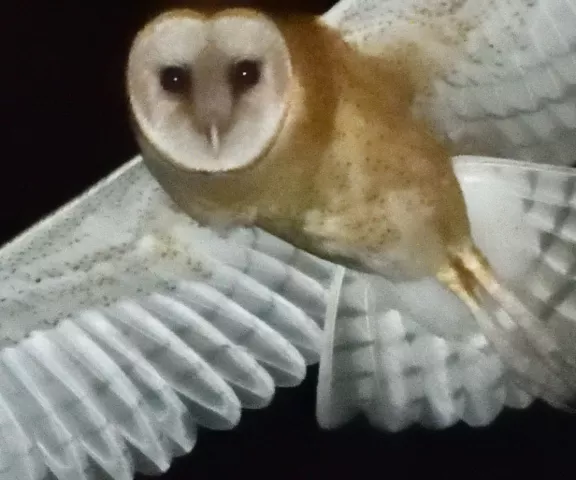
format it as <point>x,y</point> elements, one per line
<point>244,75</point>
<point>176,80</point>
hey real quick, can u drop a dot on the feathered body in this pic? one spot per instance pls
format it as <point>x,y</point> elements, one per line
<point>351,173</point>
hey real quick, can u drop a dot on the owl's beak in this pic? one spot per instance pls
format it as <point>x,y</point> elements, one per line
<point>212,114</point>
<point>214,138</point>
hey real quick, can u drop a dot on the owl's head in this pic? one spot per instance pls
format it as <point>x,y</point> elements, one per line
<point>209,93</point>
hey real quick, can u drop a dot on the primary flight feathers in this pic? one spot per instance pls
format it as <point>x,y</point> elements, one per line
<point>145,326</point>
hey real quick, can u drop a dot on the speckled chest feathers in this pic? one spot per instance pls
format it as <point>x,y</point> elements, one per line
<point>351,174</point>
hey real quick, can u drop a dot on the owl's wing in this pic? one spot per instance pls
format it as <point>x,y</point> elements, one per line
<point>125,325</point>
<point>507,85</point>
<point>430,363</point>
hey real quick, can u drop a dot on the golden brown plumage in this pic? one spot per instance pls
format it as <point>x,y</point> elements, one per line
<point>351,172</point>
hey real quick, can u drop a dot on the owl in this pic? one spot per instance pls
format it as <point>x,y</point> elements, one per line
<point>189,284</point>
<point>338,134</point>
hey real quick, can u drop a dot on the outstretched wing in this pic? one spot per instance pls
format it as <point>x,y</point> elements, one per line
<point>507,82</point>
<point>405,353</point>
<point>125,325</point>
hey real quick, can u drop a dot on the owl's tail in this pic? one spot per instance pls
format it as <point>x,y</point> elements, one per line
<point>412,352</point>
<point>398,362</point>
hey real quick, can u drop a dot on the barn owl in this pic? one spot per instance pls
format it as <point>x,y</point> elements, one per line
<point>337,134</point>
<point>126,324</point>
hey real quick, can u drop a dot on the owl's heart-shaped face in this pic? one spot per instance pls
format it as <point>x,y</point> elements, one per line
<point>209,93</point>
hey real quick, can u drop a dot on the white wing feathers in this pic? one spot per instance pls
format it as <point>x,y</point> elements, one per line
<point>508,83</point>
<point>431,364</point>
<point>145,325</point>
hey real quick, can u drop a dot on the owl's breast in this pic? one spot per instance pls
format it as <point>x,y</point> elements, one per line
<point>386,196</point>
<point>393,233</point>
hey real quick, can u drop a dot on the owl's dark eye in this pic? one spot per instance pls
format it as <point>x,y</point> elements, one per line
<point>176,80</point>
<point>244,75</point>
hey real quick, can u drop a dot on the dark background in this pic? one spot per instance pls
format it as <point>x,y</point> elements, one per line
<point>63,126</point>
